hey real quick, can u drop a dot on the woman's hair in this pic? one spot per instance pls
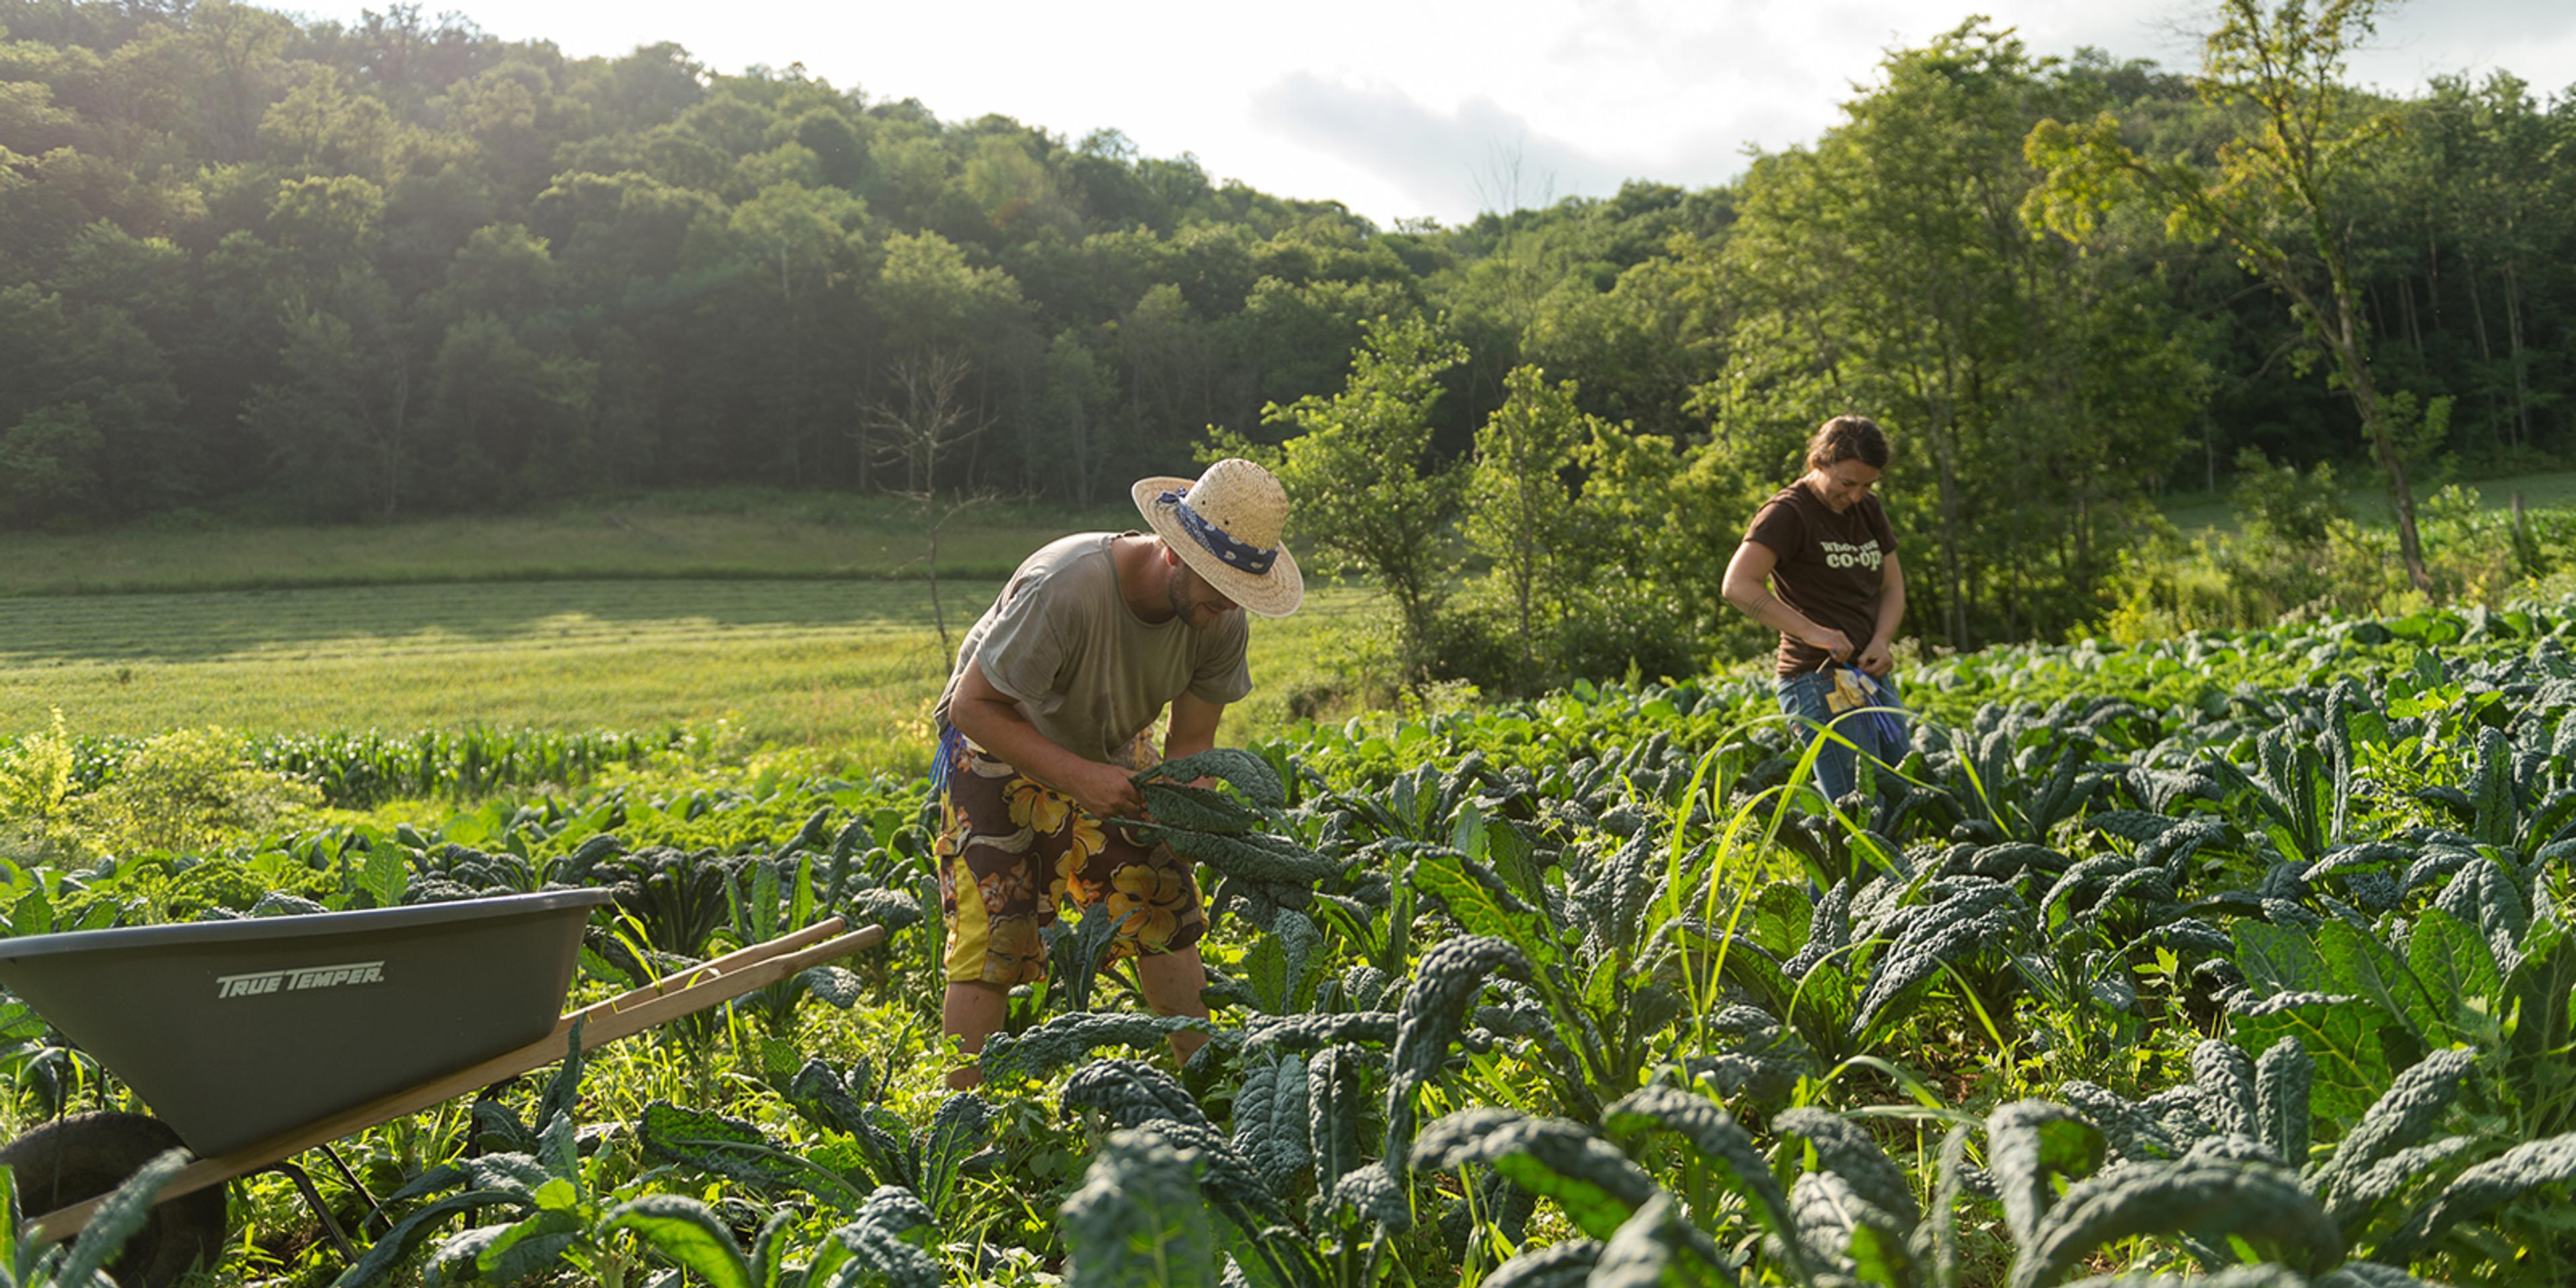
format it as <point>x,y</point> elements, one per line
<point>1848,438</point>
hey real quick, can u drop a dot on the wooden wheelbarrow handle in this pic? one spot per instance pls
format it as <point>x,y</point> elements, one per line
<point>684,992</point>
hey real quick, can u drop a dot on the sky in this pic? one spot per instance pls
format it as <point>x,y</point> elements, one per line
<point>1408,109</point>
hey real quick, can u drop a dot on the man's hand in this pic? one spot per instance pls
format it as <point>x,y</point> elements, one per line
<point>1835,644</point>
<point>1879,658</point>
<point>1103,790</point>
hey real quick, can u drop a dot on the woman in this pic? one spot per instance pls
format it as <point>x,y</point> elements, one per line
<point>1824,546</point>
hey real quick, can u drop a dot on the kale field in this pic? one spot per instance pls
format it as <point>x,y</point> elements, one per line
<point>2239,956</point>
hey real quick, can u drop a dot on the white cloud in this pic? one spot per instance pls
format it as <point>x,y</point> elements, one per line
<point>1395,109</point>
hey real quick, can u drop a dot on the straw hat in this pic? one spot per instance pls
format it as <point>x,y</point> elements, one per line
<point>1226,527</point>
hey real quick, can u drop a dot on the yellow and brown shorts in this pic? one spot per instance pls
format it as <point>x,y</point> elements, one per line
<point>1011,849</point>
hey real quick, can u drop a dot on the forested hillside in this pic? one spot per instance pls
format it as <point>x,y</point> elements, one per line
<point>406,267</point>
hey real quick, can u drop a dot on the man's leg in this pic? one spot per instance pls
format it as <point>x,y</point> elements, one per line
<point>990,899</point>
<point>972,1013</point>
<point>1172,981</point>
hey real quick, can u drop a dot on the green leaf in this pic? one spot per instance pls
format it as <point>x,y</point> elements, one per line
<point>1484,908</point>
<point>2031,1145</point>
<point>33,914</point>
<point>124,1212</point>
<point>407,1234</point>
<point>558,1195</point>
<point>1240,769</point>
<point>2458,970</point>
<point>957,1129</point>
<point>529,1246</point>
<point>385,875</point>
<point>688,1232</point>
<point>2280,959</point>
<point>837,985</point>
<point>1598,1187</point>
<point>1659,1246</point>
<point>732,1147</point>
<point>2360,964</point>
<point>2341,1035</point>
<point>1138,1220</point>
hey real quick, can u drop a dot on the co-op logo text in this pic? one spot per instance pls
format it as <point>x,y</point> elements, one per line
<point>288,981</point>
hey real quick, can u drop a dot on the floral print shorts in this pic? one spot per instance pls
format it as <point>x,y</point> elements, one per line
<point>1011,849</point>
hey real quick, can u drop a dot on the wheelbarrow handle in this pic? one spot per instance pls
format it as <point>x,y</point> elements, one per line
<point>685,992</point>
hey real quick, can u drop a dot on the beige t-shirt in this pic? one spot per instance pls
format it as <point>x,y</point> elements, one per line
<point>1083,667</point>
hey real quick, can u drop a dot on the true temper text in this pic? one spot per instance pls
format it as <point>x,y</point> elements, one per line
<point>288,981</point>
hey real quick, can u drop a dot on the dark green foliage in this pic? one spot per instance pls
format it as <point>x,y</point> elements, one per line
<point>1850,1155</point>
<point>1266,1034</point>
<point>1242,770</point>
<point>1137,1221</point>
<point>2282,1081</point>
<point>1658,1248</point>
<point>1127,1093</point>
<point>1270,1122</point>
<point>1596,1185</point>
<point>1558,1265</point>
<point>2263,1205</point>
<point>734,1148</point>
<point>1428,1022</point>
<point>2032,1147</point>
<point>1066,1040</point>
<point>2400,1118</point>
<point>1722,1145</point>
<point>2520,1170</point>
<point>1198,810</point>
<point>882,1243</point>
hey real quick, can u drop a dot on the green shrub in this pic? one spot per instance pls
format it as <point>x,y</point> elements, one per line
<point>189,791</point>
<point>36,798</point>
<point>2300,556</point>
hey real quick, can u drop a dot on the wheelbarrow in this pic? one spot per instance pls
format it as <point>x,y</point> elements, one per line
<point>256,1040</point>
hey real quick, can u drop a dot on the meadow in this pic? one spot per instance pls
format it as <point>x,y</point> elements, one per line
<point>2367,501</point>
<point>808,625</point>
<point>717,533</point>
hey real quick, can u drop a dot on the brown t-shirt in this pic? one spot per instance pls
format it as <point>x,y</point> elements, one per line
<point>1830,566</point>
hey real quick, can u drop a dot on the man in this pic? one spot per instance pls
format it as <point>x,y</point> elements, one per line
<point>1051,707</point>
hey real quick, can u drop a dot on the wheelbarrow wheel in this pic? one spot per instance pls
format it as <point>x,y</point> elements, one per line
<point>86,1155</point>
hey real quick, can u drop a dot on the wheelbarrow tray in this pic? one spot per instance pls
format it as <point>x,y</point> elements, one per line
<point>236,1031</point>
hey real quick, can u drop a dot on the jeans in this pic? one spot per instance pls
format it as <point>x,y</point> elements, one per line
<point>1837,773</point>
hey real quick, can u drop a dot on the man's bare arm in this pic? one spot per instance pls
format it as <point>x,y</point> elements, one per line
<point>1193,727</point>
<point>993,719</point>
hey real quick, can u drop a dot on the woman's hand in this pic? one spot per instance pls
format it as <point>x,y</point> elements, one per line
<point>1879,658</point>
<point>1835,644</point>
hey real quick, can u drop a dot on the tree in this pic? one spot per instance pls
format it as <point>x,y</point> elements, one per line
<point>1077,385</point>
<point>1519,511</point>
<point>1880,272</point>
<point>2278,193</point>
<point>48,466</point>
<point>1367,493</point>
<point>919,432</point>
<point>506,422</point>
<point>338,428</point>
<point>1889,270</point>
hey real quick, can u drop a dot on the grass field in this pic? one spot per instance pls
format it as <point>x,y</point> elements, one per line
<point>2369,501</point>
<point>711,534</point>
<point>465,621</point>
<point>846,667</point>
